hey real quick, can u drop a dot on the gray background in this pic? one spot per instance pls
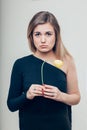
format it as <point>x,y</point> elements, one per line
<point>15,15</point>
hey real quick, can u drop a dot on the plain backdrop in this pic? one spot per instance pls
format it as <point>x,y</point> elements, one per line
<point>14,19</point>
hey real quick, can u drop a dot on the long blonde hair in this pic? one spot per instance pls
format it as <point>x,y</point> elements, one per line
<point>42,18</point>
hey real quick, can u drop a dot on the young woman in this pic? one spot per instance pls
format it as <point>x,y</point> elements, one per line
<point>44,85</point>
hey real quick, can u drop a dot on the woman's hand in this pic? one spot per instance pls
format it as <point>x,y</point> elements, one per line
<point>45,90</point>
<point>34,90</point>
<point>52,92</point>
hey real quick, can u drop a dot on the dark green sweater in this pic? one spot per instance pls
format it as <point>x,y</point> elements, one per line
<point>39,113</point>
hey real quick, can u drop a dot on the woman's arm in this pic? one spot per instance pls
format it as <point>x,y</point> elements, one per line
<point>72,96</point>
<point>16,98</point>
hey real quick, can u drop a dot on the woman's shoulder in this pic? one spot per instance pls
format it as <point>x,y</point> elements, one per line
<point>69,62</point>
<point>68,59</point>
<point>23,60</point>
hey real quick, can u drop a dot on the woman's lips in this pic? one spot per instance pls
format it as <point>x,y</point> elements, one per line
<point>43,46</point>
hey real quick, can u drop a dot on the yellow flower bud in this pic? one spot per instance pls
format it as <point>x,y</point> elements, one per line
<point>58,63</point>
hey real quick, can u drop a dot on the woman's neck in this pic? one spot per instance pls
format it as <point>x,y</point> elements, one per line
<point>49,56</point>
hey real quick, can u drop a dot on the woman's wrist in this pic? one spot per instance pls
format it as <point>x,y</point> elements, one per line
<point>69,99</point>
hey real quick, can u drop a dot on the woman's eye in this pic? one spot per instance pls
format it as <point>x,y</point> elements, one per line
<point>37,34</point>
<point>48,34</point>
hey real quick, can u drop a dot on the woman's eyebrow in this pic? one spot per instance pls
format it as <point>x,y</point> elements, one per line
<point>44,32</point>
<point>49,32</point>
<point>37,32</point>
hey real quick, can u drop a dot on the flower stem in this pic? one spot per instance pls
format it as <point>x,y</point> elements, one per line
<point>42,79</point>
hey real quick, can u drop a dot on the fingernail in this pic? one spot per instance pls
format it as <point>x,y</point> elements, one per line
<point>42,92</point>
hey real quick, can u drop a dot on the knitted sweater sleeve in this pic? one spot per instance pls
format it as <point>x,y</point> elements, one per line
<point>16,97</point>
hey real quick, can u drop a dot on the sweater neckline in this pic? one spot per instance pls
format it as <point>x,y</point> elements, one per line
<point>39,59</point>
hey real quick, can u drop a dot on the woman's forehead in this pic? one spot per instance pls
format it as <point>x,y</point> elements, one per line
<point>44,27</point>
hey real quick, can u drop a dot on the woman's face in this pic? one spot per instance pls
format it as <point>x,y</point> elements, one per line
<point>44,37</point>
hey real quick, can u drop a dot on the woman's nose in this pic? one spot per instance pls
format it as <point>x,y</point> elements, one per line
<point>43,39</point>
